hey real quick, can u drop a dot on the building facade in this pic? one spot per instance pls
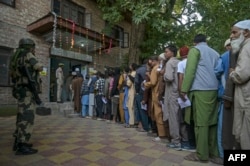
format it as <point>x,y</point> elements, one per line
<point>65,31</point>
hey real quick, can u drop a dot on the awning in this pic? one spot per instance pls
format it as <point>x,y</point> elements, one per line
<point>82,36</point>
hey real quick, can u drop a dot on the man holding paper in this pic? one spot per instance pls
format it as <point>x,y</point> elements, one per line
<point>201,84</point>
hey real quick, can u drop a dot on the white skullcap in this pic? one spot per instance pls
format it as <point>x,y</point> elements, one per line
<point>73,73</point>
<point>243,24</point>
<point>162,56</point>
<point>77,69</point>
<point>227,42</point>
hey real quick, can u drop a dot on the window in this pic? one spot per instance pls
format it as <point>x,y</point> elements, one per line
<point>118,33</point>
<point>126,40</point>
<point>11,3</point>
<point>5,54</point>
<point>71,11</point>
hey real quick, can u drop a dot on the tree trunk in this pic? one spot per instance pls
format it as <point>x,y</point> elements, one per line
<point>137,36</point>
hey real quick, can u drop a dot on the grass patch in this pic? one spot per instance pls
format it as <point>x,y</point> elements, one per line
<point>8,110</point>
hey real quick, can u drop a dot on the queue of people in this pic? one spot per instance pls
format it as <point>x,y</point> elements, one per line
<point>146,97</point>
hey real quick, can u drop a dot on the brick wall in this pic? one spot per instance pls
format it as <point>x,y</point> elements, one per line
<point>114,58</point>
<point>13,23</point>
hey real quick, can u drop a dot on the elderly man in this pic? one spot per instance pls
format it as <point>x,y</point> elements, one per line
<point>240,75</point>
<point>201,83</point>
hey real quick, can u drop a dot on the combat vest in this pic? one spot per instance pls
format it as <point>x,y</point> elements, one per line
<point>19,79</point>
<point>205,78</point>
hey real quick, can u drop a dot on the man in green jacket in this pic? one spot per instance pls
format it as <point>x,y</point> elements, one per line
<point>201,84</point>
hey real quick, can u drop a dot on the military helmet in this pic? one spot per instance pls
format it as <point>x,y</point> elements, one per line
<point>26,43</point>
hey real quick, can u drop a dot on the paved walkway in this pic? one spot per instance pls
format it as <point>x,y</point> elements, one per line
<point>86,142</point>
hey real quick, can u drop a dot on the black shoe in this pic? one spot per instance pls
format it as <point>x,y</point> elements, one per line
<point>24,150</point>
<point>15,146</point>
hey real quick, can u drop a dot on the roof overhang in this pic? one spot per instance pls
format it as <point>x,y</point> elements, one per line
<point>44,26</point>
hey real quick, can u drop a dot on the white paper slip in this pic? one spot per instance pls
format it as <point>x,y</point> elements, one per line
<point>143,106</point>
<point>184,104</point>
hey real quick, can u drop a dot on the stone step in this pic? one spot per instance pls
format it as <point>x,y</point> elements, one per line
<point>60,108</point>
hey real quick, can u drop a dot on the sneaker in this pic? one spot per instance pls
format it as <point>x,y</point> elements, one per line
<point>156,139</point>
<point>175,146</point>
<point>188,148</point>
<point>88,117</point>
<point>99,119</point>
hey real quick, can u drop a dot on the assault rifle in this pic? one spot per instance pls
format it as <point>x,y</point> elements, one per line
<point>32,86</point>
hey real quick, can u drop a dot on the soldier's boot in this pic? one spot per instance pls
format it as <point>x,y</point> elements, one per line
<point>22,149</point>
<point>15,145</point>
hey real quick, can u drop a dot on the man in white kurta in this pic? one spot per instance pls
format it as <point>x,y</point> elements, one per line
<point>59,81</point>
<point>240,42</point>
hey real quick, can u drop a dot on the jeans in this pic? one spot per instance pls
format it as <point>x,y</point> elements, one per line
<point>142,114</point>
<point>85,105</point>
<point>99,105</point>
<point>85,111</point>
<point>126,113</point>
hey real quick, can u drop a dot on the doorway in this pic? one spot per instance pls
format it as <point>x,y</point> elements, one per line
<point>70,65</point>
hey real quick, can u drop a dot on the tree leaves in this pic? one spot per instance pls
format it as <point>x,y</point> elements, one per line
<point>178,21</point>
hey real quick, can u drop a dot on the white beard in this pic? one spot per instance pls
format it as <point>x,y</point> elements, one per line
<point>236,43</point>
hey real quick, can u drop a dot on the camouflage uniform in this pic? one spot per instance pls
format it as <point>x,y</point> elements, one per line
<point>21,91</point>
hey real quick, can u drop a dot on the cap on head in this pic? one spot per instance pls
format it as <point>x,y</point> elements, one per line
<point>227,42</point>
<point>245,24</point>
<point>184,51</point>
<point>162,56</point>
<point>60,64</point>
<point>26,43</point>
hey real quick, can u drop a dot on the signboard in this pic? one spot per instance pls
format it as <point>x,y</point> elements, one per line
<point>70,54</point>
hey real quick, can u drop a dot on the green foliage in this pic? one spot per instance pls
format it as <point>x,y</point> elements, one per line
<point>165,20</point>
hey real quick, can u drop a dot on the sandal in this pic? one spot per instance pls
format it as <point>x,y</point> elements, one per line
<point>194,157</point>
<point>217,160</point>
<point>133,126</point>
<point>141,130</point>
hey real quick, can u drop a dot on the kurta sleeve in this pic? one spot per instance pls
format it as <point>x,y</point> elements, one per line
<point>169,72</point>
<point>241,73</point>
<point>192,63</point>
<point>153,78</point>
<point>120,82</point>
<point>129,83</point>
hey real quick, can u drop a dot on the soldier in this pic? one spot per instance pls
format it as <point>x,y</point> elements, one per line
<point>59,81</point>
<point>24,67</point>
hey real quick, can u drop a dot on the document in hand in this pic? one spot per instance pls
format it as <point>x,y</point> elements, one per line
<point>184,104</point>
<point>143,106</point>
